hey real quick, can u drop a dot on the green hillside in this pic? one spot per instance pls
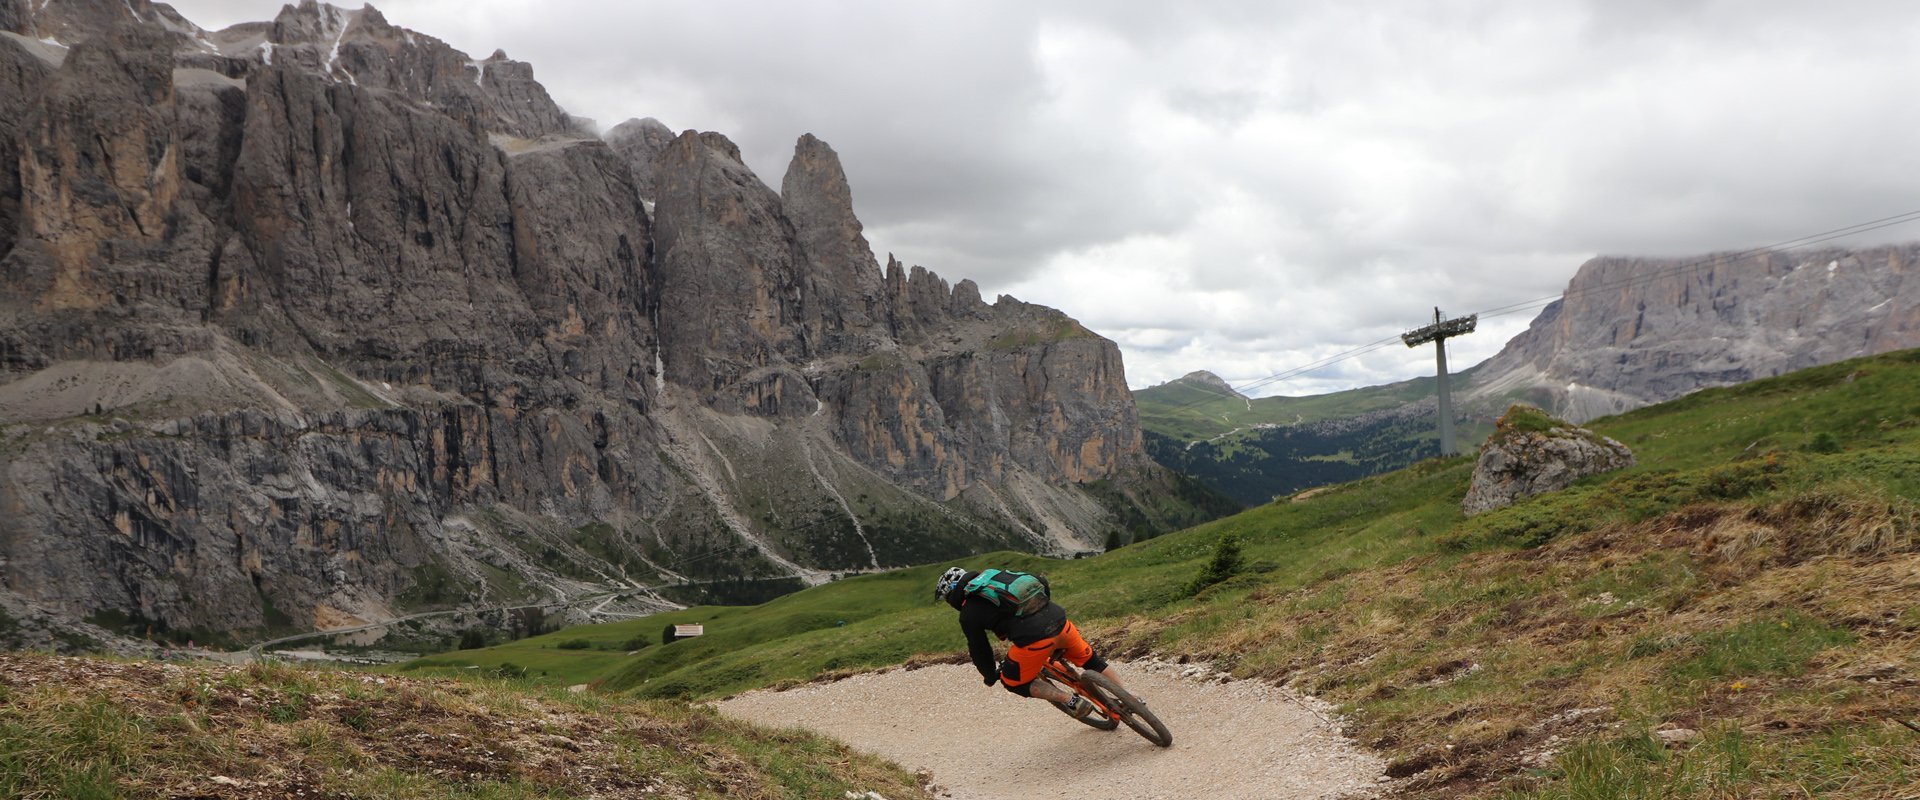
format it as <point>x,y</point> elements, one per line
<point>1254,450</point>
<point>1190,411</point>
<point>1754,580</point>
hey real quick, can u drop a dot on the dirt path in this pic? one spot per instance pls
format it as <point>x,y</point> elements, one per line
<point>1232,740</point>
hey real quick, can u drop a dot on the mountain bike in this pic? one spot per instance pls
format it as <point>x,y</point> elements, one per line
<point>1112,705</point>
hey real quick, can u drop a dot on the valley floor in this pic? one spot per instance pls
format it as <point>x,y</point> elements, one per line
<point>1232,739</point>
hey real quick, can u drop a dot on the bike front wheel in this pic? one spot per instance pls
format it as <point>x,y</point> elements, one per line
<point>1093,719</point>
<point>1129,708</point>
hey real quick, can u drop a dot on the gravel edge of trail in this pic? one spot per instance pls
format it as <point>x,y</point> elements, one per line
<point>1232,738</point>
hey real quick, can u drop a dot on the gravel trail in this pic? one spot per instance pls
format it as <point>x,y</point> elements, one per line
<point>1231,739</point>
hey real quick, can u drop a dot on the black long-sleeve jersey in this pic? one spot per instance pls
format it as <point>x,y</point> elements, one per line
<point>979,615</point>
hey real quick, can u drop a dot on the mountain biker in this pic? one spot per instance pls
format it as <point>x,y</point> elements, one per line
<point>1033,639</point>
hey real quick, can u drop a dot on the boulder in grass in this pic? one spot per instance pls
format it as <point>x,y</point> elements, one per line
<point>1532,453</point>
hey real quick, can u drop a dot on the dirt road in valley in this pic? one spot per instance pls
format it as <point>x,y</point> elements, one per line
<point>1232,740</point>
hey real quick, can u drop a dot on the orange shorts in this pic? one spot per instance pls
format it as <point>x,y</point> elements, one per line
<point>1023,663</point>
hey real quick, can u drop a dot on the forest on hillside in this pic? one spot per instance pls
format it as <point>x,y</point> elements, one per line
<point>1254,467</point>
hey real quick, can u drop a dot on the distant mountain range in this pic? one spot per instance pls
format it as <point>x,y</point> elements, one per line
<point>1628,332</point>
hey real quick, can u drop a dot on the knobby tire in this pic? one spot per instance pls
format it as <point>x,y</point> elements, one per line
<point>1093,719</point>
<point>1131,710</point>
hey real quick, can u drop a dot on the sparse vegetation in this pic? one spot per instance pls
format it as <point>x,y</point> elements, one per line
<point>352,390</point>
<point>433,586</point>
<point>1059,329</point>
<point>85,728</point>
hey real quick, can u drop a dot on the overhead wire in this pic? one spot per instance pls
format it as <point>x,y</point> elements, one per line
<point>1855,229</point>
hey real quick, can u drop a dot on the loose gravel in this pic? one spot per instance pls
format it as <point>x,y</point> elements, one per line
<point>1231,739</point>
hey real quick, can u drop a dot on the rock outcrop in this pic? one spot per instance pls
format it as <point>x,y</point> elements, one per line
<point>319,320</point>
<point>1532,454</point>
<point>1631,332</point>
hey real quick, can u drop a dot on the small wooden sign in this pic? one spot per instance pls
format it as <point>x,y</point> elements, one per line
<point>684,631</point>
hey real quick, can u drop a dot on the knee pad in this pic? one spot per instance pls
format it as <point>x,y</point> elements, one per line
<point>1022,689</point>
<point>1095,663</point>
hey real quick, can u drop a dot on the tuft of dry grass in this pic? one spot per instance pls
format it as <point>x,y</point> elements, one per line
<point>82,728</point>
<point>1488,672</point>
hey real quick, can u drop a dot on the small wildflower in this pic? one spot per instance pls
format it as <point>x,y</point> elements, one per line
<point>1739,686</point>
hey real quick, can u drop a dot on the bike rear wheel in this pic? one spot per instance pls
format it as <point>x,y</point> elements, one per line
<point>1132,712</point>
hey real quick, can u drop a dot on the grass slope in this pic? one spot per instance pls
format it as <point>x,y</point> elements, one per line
<point>82,729</point>
<point>743,646</point>
<point>1737,615</point>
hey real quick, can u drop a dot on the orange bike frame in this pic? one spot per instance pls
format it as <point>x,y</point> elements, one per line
<point>1066,675</point>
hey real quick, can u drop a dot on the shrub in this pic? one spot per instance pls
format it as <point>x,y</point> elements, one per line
<point>574,644</point>
<point>1225,562</point>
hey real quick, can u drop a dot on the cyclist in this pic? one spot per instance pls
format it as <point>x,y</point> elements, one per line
<point>1032,638</point>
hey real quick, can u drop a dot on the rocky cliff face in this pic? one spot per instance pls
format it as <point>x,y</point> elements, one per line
<point>1631,332</point>
<point>320,320</point>
<point>773,307</point>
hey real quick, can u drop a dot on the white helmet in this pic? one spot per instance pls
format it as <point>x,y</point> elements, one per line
<point>948,580</point>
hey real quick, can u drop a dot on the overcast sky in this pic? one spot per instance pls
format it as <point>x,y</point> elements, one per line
<point>1247,187</point>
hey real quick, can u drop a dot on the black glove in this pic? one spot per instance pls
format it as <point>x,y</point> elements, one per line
<point>991,679</point>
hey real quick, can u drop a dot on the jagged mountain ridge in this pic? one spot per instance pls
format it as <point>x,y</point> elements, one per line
<point>310,321</point>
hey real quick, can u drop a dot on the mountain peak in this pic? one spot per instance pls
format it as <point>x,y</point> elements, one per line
<point>640,127</point>
<point>638,142</point>
<point>1209,381</point>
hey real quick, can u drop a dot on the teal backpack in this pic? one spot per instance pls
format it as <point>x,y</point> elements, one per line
<point>1020,591</point>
